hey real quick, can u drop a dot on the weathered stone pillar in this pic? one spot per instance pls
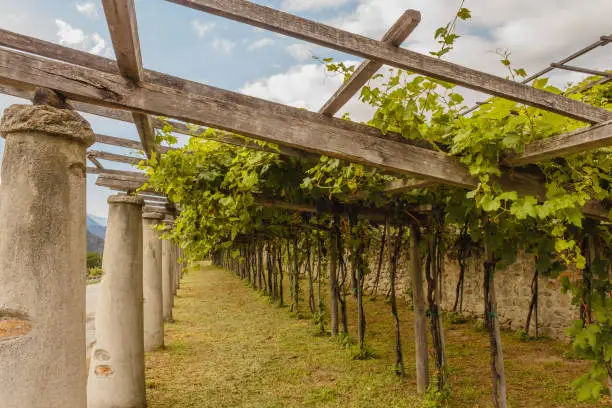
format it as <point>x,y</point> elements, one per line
<point>177,267</point>
<point>167,274</point>
<point>116,374</point>
<point>42,258</point>
<point>152,286</point>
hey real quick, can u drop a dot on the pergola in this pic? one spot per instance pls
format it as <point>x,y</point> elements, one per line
<point>124,90</point>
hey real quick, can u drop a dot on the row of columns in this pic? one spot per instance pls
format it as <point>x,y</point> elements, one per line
<point>42,273</point>
<point>140,280</point>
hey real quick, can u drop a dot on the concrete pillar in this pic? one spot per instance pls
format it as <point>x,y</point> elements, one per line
<point>167,272</point>
<point>152,286</point>
<point>116,373</point>
<point>42,257</point>
<point>177,267</point>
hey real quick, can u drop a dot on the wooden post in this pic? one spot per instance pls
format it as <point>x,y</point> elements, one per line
<point>333,279</point>
<point>418,300</point>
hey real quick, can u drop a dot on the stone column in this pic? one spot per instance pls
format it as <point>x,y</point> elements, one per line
<point>167,274</point>
<point>116,373</point>
<point>152,286</point>
<point>177,267</point>
<point>42,257</point>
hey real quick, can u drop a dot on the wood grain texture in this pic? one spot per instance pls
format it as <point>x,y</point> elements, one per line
<point>146,133</point>
<point>251,117</point>
<point>88,60</point>
<point>127,173</point>
<point>396,35</point>
<point>51,50</point>
<point>593,137</point>
<point>327,36</point>
<point>127,143</point>
<point>117,141</point>
<point>401,186</point>
<point>118,158</point>
<point>115,183</point>
<point>95,161</point>
<point>123,29</point>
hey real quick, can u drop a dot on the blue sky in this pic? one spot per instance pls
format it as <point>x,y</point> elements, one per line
<point>193,45</point>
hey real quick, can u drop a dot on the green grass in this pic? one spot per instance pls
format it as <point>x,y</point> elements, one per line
<point>229,347</point>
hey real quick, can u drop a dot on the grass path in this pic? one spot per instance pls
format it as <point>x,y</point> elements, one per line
<point>229,347</point>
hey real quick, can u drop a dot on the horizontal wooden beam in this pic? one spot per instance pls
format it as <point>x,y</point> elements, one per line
<point>401,186</point>
<point>327,36</point>
<point>117,141</point>
<point>132,184</point>
<point>127,143</point>
<point>251,117</point>
<point>96,154</point>
<point>581,140</point>
<point>580,69</point>
<point>396,35</point>
<point>118,184</point>
<point>70,55</point>
<point>126,173</point>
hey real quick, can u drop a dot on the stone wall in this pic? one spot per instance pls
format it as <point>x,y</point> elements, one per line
<point>513,289</point>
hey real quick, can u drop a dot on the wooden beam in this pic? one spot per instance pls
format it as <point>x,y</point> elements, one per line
<point>121,19</point>
<point>127,143</point>
<point>396,35</point>
<point>580,69</point>
<point>126,173</point>
<point>131,184</point>
<point>95,161</point>
<point>96,154</point>
<point>52,50</point>
<point>401,186</point>
<point>327,36</point>
<point>117,141</point>
<point>581,140</point>
<point>65,54</point>
<point>119,184</point>
<point>252,117</point>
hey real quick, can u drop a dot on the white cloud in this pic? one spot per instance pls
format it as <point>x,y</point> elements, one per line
<point>200,28</point>
<point>306,86</point>
<point>76,38</point>
<point>88,8</point>
<point>306,5</point>
<point>301,51</point>
<point>224,45</point>
<point>536,32</point>
<point>264,42</point>
<point>67,35</point>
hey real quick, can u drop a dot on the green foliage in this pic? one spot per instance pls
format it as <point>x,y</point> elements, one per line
<point>94,273</point>
<point>94,260</point>
<point>226,192</point>
<point>435,398</point>
<point>364,353</point>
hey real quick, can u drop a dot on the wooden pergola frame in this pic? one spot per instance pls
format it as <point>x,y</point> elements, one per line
<point>125,91</point>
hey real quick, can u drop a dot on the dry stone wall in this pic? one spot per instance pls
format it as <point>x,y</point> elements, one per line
<point>513,288</point>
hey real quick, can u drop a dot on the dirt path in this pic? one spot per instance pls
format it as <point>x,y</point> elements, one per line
<point>229,347</point>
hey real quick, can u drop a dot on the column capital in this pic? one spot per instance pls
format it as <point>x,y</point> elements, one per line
<point>49,120</point>
<point>149,214</point>
<point>125,199</point>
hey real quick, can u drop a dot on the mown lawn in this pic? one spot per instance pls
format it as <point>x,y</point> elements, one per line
<point>229,347</point>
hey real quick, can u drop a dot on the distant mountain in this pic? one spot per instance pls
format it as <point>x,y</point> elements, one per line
<point>94,243</point>
<point>96,226</point>
<point>100,220</point>
<point>96,231</point>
